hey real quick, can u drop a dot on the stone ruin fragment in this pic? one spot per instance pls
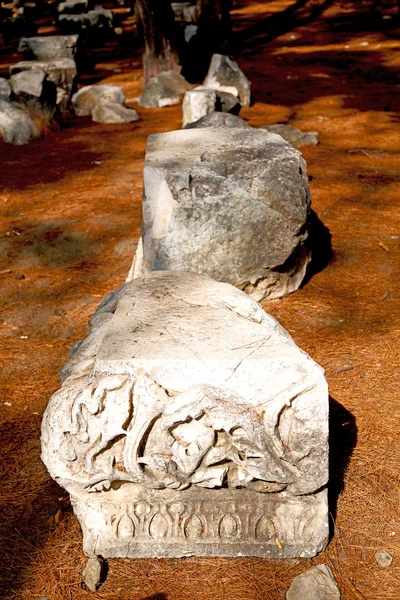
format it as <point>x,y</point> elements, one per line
<point>231,203</point>
<point>189,423</point>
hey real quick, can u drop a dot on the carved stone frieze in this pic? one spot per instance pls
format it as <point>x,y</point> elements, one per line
<point>188,414</point>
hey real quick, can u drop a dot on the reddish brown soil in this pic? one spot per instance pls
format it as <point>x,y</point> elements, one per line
<point>70,217</point>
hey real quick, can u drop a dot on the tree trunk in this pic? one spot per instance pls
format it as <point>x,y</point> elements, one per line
<point>214,28</point>
<point>161,37</point>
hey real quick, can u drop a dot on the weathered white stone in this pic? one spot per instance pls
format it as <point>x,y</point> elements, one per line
<point>185,12</point>
<point>92,22</point>
<point>218,119</point>
<point>114,113</point>
<point>50,47</point>
<point>92,573</point>
<point>5,89</point>
<point>190,423</point>
<point>225,75</point>
<point>75,7</point>
<point>197,104</point>
<point>29,82</point>
<point>294,136</point>
<point>17,126</point>
<point>230,203</point>
<point>316,584</point>
<point>90,96</point>
<point>165,89</point>
<point>200,102</point>
<point>62,72</point>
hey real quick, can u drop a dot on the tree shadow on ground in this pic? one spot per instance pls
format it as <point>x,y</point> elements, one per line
<point>29,502</point>
<point>161,596</point>
<point>342,441</point>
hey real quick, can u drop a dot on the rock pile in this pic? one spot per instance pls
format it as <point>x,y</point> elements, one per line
<point>105,104</point>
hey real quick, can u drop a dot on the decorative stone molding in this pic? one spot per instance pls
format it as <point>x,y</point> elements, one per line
<point>188,416</point>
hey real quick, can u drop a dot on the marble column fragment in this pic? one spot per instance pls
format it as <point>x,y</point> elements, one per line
<point>190,423</point>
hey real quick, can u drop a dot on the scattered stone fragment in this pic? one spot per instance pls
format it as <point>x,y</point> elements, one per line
<point>225,75</point>
<point>45,48</point>
<point>294,136</point>
<point>190,423</point>
<point>93,22</point>
<point>30,82</point>
<point>92,573</point>
<point>218,119</point>
<point>383,558</point>
<point>5,89</point>
<point>114,113</point>
<point>62,72</point>
<point>230,203</point>
<point>165,89</point>
<point>199,102</point>
<point>90,96</point>
<point>184,12</point>
<point>316,584</point>
<point>74,7</point>
<point>17,126</point>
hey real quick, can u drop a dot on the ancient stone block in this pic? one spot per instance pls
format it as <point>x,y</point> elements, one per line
<point>200,102</point>
<point>189,423</point>
<point>218,119</point>
<point>5,89</point>
<point>50,47</point>
<point>62,72</point>
<point>230,203</point>
<point>225,75</point>
<point>89,97</point>
<point>166,89</point>
<point>114,113</point>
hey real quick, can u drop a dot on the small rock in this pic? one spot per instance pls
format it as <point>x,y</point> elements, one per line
<point>316,584</point>
<point>16,126</point>
<point>90,96</point>
<point>218,119</point>
<point>383,558</point>
<point>166,89</point>
<point>114,113</point>
<point>294,136</point>
<point>225,75</point>
<point>197,104</point>
<point>92,573</point>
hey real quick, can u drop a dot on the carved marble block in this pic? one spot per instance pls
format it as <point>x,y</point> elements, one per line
<point>190,423</point>
<point>229,203</point>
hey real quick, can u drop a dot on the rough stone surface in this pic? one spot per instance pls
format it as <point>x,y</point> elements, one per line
<point>114,113</point>
<point>383,558</point>
<point>16,126</point>
<point>189,423</point>
<point>197,104</point>
<point>92,573</point>
<point>90,96</point>
<point>50,47</point>
<point>92,22</point>
<point>74,7</point>
<point>62,72</point>
<point>218,119</point>
<point>231,203</point>
<point>165,89</point>
<point>316,584</point>
<point>225,75</point>
<point>294,136</point>
<point>185,12</point>
<point>29,82</point>
<point>5,89</point>
<point>200,102</point>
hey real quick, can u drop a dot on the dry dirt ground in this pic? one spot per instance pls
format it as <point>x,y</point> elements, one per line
<point>70,217</point>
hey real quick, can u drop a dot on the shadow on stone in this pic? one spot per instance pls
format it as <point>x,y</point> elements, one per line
<point>342,441</point>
